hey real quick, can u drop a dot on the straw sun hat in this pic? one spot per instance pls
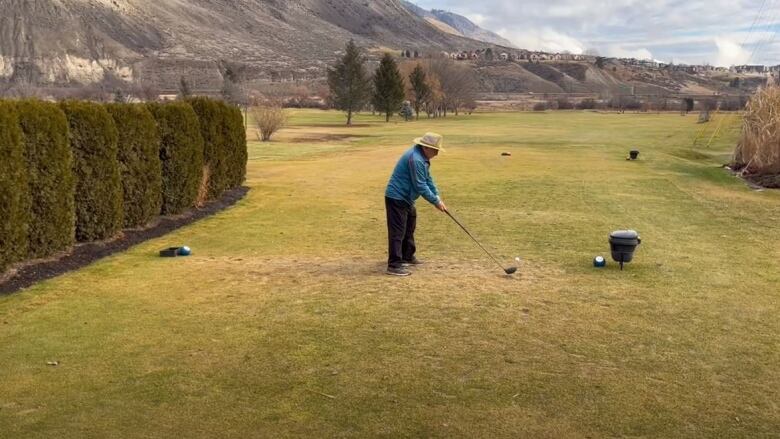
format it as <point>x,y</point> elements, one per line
<point>431,140</point>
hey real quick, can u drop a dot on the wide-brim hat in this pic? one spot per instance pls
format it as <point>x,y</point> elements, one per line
<point>431,140</point>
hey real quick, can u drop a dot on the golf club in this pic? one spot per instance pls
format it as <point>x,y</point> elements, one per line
<point>509,270</point>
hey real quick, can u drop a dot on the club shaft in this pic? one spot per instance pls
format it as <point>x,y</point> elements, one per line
<point>474,239</point>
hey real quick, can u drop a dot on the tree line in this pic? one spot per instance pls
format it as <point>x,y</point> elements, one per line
<point>435,86</point>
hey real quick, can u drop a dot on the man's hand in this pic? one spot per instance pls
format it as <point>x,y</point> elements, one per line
<point>441,206</point>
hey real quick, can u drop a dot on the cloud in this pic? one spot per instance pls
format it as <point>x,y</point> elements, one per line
<point>730,52</point>
<point>622,52</point>
<point>478,19</point>
<point>687,31</point>
<point>546,39</point>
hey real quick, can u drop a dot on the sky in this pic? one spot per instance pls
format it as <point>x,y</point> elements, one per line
<point>715,32</point>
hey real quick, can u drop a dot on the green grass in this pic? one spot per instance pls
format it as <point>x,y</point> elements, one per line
<point>282,324</point>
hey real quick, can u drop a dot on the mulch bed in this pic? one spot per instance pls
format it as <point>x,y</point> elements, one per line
<point>29,273</point>
<point>756,181</point>
<point>765,181</point>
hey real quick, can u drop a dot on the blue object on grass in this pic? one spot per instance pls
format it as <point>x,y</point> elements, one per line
<point>184,251</point>
<point>599,261</point>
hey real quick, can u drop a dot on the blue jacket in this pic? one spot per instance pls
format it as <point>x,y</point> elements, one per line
<point>412,178</point>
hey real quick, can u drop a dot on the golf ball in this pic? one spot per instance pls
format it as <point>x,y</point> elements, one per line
<point>517,259</point>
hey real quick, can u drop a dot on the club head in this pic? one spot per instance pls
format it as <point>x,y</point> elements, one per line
<point>510,270</point>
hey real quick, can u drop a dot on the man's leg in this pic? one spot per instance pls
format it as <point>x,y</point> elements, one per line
<point>408,249</point>
<point>397,213</point>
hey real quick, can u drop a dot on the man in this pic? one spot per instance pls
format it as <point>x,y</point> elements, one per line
<point>411,179</point>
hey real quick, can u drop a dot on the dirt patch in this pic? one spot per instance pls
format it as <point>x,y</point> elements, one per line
<point>325,137</point>
<point>30,273</point>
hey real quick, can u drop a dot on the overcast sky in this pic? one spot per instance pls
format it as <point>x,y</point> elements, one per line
<point>718,32</point>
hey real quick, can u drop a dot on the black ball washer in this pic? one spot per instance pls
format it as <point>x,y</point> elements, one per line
<point>623,243</point>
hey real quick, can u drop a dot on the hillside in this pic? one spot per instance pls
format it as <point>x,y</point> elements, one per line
<point>78,41</point>
<point>156,42</point>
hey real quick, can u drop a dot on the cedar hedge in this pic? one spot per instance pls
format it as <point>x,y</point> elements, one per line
<point>93,139</point>
<point>14,192</point>
<point>80,171</point>
<point>224,136</point>
<point>50,176</point>
<point>139,162</point>
<point>235,133</point>
<point>181,153</point>
<point>212,118</point>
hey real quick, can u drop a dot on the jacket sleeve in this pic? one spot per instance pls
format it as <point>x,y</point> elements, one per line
<point>423,182</point>
<point>432,186</point>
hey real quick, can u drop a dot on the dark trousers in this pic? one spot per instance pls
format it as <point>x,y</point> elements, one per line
<point>401,222</point>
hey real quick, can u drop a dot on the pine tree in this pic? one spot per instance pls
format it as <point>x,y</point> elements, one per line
<point>421,91</point>
<point>349,85</point>
<point>184,88</point>
<point>388,87</point>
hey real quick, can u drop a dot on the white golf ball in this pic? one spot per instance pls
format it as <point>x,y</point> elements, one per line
<point>517,259</point>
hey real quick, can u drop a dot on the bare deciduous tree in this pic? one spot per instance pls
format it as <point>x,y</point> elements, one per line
<point>458,83</point>
<point>269,119</point>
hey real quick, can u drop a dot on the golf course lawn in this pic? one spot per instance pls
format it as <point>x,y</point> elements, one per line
<point>283,324</point>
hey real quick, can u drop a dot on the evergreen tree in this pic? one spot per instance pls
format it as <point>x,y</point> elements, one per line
<point>184,88</point>
<point>388,87</point>
<point>349,85</point>
<point>421,91</point>
<point>406,111</point>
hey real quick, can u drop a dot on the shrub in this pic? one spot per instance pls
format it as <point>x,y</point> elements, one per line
<point>709,104</point>
<point>236,133</point>
<point>735,103</point>
<point>269,119</point>
<point>540,106</point>
<point>98,196</point>
<point>565,104</point>
<point>50,172</point>
<point>181,153</point>
<point>139,162</point>
<point>758,152</point>
<point>586,104</point>
<point>14,191</point>
<point>212,117</point>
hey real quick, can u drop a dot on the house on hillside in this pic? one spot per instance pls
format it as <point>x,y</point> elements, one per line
<point>749,69</point>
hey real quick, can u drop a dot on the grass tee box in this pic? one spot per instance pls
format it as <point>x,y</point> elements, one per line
<point>282,324</point>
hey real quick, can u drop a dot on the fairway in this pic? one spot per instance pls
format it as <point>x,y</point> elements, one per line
<point>283,324</point>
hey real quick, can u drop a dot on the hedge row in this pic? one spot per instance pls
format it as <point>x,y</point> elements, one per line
<point>50,172</point>
<point>14,194</point>
<point>93,139</point>
<point>181,153</point>
<point>224,153</point>
<point>139,162</point>
<point>80,171</point>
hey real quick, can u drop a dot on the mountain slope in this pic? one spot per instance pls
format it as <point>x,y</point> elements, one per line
<point>156,42</point>
<point>67,41</point>
<point>449,22</point>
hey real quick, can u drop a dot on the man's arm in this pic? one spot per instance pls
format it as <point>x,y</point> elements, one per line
<point>425,185</point>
